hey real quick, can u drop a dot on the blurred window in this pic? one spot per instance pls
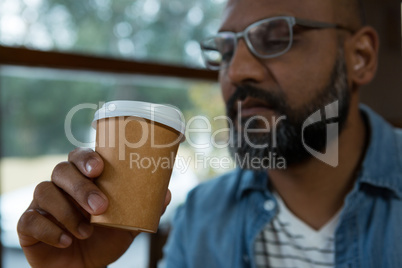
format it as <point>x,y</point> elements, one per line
<point>151,30</point>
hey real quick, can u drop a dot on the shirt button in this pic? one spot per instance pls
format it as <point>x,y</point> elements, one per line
<point>269,205</point>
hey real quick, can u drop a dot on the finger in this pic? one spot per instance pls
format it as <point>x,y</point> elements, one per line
<point>49,198</point>
<point>80,188</point>
<point>34,227</point>
<point>87,161</point>
<point>168,198</point>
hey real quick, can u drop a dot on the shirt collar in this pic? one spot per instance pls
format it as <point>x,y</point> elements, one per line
<point>251,181</point>
<point>382,164</point>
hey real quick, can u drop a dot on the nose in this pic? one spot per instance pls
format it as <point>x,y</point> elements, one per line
<point>244,66</point>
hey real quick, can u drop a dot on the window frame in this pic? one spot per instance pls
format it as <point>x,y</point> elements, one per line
<point>19,56</point>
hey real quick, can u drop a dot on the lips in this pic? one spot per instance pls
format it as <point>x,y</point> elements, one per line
<point>252,107</point>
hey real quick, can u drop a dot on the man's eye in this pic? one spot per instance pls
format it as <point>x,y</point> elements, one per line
<point>277,43</point>
<point>297,33</point>
<point>226,51</point>
<point>227,56</point>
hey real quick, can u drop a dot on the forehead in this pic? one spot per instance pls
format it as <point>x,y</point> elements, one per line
<point>239,14</point>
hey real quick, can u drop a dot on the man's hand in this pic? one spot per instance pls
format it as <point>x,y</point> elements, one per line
<point>55,230</point>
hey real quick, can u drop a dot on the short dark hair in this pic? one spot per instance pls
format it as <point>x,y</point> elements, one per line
<point>352,12</point>
<point>362,11</point>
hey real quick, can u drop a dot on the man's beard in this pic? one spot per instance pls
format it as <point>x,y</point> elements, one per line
<point>288,143</point>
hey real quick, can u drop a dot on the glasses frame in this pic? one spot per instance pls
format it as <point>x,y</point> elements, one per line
<point>292,21</point>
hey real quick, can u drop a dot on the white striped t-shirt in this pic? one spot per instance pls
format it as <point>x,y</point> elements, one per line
<point>287,242</point>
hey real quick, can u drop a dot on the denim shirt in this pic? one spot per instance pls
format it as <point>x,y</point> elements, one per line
<point>220,220</point>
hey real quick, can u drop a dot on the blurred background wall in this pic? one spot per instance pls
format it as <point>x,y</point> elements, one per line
<point>384,94</point>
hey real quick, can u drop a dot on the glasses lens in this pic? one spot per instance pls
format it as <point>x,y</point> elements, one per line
<point>270,37</point>
<point>217,51</point>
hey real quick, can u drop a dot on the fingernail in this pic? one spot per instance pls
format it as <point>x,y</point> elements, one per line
<point>84,229</point>
<point>95,202</point>
<point>65,240</point>
<point>91,164</point>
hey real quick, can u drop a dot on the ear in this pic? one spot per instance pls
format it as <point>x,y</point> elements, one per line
<point>363,56</point>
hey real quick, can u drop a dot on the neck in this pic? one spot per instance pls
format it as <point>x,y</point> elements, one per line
<point>315,191</point>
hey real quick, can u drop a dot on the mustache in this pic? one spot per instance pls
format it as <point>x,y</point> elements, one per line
<point>275,99</point>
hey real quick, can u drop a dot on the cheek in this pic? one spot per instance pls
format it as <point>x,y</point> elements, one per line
<point>350,68</point>
<point>306,71</point>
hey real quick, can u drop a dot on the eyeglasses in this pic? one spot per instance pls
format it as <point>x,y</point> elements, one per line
<point>267,38</point>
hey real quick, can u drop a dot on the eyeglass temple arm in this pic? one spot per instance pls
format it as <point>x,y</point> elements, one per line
<point>320,25</point>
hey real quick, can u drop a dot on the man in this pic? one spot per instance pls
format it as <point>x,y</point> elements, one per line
<point>291,59</point>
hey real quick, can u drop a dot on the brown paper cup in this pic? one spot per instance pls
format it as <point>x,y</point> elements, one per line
<point>139,156</point>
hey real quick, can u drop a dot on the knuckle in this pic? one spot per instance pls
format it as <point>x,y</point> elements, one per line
<point>59,169</point>
<point>79,152</point>
<point>42,189</point>
<point>26,220</point>
<point>74,152</point>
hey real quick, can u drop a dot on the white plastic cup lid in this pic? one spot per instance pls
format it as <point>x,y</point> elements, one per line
<point>167,115</point>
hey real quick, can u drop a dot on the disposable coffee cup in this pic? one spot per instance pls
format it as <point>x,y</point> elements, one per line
<point>138,142</point>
